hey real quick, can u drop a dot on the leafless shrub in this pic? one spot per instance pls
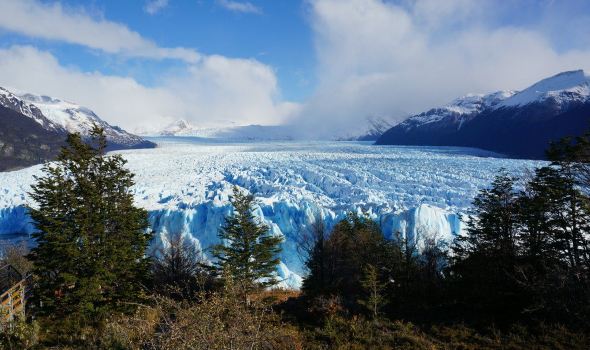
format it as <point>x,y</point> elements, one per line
<point>15,254</point>
<point>219,320</point>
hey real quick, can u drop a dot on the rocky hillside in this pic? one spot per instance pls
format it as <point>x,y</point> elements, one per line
<point>24,142</point>
<point>33,128</point>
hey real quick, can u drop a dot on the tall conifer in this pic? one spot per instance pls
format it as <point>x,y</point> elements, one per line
<point>89,257</point>
<point>248,252</point>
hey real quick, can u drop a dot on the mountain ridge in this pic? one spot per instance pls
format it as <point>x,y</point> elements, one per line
<point>517,123</point>
<point>34,127</point>
<point>67,117</point>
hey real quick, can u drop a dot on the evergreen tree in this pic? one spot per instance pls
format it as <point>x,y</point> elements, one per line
<point>374,289</point>
<point>492,227</point>
<point>91,240</point>
<point>484,260</point>
<point>313,249</point>
<point>248,252</point>
<point>338,263</point>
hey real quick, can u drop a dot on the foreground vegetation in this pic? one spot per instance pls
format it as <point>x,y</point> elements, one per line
<point>518,279</point>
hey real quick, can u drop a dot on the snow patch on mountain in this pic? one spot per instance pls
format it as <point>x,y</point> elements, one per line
<point>12,101</point>
<point>459,109</point>
<point>564,87</point>
<point>78,119</point>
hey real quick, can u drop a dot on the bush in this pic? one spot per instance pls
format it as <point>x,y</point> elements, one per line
<point>217,321</point>
<point>179,270</point>
<point>357,332</point>
<point>18,334</point>
<point>16,256</point>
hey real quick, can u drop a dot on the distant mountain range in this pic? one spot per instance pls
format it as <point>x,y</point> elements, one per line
<point>516,123</point>
<point>233,132</point>
<point>370,130</point>
<point>33,128</point>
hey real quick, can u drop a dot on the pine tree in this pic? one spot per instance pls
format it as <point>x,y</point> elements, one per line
<point>337,263</point>
<point>492,228</point>
<point>89,257</point>
<point>484,260</point>
<point>248,252</point>
<point>374,290</point>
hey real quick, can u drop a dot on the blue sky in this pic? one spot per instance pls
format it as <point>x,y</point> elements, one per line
<point>145,63</point>
<point>278,36</point>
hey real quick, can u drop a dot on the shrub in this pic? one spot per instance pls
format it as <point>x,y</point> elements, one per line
<point>217,321</point>
<point>18,334</point>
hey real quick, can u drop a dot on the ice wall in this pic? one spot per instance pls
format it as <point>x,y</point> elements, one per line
<point>201,223</point>
<point>14,221</point>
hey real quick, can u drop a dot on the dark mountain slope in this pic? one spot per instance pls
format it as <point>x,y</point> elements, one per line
<point>517,124</point>
<point>24,142</point>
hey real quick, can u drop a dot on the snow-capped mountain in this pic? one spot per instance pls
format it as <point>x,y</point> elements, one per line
<point>458,111</point>
<point>562,89</point>
<point>66,117</point>
<point>11,101</point>
<point>232,132</point>
<point>177,128</point>
<point>519,124</point>
<point>24,141</point>
<point>368,131</point>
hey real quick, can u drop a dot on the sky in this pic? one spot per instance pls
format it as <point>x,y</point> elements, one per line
<point>319,65</point>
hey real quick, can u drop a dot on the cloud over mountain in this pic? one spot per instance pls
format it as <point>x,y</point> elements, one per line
<point>378,57</point>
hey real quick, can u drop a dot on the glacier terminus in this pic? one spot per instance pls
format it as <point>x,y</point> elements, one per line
<point>185,183</point>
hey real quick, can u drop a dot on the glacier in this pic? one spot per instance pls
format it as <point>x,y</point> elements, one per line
<point>185,184</point>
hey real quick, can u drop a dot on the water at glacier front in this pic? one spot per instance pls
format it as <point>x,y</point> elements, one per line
<point>185,182</point>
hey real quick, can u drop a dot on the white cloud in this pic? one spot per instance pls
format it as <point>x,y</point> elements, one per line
<point>239,6</point>
<point>231,89</point>
<point>212,92</point>
<point>374,57</point>
<point>378,58</point>
<point>54,22</point>
<point>154,6</point>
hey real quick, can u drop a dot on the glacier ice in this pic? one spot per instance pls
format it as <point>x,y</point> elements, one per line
<point>185,184</point>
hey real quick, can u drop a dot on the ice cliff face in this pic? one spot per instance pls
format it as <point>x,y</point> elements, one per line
<point>185,185</point>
